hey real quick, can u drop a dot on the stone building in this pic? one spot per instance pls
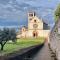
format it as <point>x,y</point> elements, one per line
<point>36,27</point>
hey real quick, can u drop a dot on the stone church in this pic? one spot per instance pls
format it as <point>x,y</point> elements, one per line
<point>36,27</point>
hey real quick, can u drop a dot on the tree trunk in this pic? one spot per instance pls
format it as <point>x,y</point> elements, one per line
<point>2,47</point>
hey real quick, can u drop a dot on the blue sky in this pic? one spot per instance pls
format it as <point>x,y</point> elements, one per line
<point>14,12</point>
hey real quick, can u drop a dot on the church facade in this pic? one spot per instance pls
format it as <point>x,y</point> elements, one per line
<point>36,27</point>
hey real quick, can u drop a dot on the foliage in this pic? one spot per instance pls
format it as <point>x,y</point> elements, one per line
<point>6,34</point>
<point>57,12</point>
<point>12,35</point>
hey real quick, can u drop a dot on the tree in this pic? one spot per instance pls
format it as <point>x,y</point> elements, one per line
<point>5,35</point>
<point>57,12</point>
<point>13,35</point>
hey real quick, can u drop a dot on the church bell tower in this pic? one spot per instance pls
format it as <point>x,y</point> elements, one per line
<point>31,16</point>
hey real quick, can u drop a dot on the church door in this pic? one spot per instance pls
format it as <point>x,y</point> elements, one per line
<point>35,34</point>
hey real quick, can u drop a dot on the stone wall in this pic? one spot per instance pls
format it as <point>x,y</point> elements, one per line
<point>55,39</point>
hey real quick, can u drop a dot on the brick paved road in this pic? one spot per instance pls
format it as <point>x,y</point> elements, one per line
<point>43,54</point>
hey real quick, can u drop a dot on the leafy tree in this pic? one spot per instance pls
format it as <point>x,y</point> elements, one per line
<point>13,35</point>
<point>57,12</point>
<point>5,35</point>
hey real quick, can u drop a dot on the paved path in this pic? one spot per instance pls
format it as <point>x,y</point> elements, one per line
<point>43,54</point>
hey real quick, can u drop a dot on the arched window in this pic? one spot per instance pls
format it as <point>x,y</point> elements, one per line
<point>31,14</point>
<point>34,20</point>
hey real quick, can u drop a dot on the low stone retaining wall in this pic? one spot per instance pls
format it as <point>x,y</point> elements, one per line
<point>53,54</point>
<point>22,54</point>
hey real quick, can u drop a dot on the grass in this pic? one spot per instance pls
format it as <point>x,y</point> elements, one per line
<point>21,43</point>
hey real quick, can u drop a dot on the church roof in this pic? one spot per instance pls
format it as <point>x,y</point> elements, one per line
<point>43,20</point>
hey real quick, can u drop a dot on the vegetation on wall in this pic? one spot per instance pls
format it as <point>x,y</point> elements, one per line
<point>57,13</point>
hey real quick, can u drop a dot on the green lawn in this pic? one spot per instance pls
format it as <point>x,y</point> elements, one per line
<point>21,43</point>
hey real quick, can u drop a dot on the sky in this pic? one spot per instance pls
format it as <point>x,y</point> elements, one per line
<point>13,13</point>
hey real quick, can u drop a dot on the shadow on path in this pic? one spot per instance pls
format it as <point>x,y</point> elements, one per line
<point>29,54</point>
